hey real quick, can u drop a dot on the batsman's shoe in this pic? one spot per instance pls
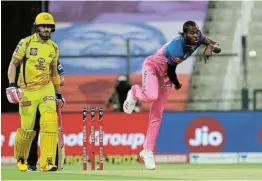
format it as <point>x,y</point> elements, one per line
<point>49,167</point>
<point>129,104</point>
<point>21,165</point>
<point>148,158</point>
<point>31,168</point>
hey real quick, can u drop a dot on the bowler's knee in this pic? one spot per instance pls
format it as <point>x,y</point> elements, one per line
<point>151,96</point>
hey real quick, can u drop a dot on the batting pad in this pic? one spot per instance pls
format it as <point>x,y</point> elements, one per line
<point>48,138</point>
<point>23,140</point>
<point>49,122</point>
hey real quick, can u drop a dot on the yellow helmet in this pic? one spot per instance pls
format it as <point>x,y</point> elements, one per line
<point>44,18</point>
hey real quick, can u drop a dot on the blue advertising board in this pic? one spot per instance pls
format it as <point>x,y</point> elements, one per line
<point>80,39</point>
<point>210,132</point>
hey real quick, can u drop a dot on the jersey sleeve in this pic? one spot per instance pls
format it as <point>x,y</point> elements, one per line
<point>173,52</point>
<point>55,60</point>
<point>203,39</point>
<point>20,50</point>
<point>60,68</point>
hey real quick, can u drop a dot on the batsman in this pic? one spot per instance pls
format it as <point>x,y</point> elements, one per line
<point>39,89</point>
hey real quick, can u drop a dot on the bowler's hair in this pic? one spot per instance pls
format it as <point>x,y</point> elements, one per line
<point>186,26</point>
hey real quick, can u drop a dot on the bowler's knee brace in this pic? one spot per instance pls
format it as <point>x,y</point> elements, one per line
<point>48,137</point>
<point>23,141</point>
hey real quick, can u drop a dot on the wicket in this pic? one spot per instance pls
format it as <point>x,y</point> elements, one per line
<point>92,111</point>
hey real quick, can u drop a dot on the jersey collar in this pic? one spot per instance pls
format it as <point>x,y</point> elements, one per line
<point>36,39</point>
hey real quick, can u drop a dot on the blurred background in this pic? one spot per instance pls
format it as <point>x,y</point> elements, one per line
<point>102,47</point>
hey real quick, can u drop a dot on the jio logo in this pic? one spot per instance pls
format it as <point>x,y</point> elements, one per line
<point>205,134</point>
<point>204,137</point>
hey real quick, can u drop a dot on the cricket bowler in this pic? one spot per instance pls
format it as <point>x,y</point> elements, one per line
<point>158,75</point>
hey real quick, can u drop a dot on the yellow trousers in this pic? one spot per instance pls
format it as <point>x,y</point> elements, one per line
<point>44,100</point>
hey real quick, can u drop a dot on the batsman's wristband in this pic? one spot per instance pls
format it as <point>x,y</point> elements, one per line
<point>58,96</point>
<point>12,84</point>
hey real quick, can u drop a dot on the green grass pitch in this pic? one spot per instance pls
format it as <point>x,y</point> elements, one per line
<point>137,172</point>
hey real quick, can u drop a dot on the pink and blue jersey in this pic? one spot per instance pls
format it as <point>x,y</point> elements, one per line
<point>177,48</point>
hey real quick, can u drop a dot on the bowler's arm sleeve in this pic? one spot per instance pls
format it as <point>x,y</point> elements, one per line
<point>204,40</point>
<point>171,72</point>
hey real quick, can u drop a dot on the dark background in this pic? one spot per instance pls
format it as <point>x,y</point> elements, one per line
<point>17,20</point>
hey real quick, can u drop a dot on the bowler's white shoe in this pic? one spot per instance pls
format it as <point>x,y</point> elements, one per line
<point>129,104</point>
<point>149,159</point>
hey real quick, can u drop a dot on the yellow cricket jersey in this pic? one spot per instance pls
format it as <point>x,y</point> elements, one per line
<point>36,58</point>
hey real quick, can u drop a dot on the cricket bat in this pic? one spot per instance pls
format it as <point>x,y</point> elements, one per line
<point>61,145</point>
